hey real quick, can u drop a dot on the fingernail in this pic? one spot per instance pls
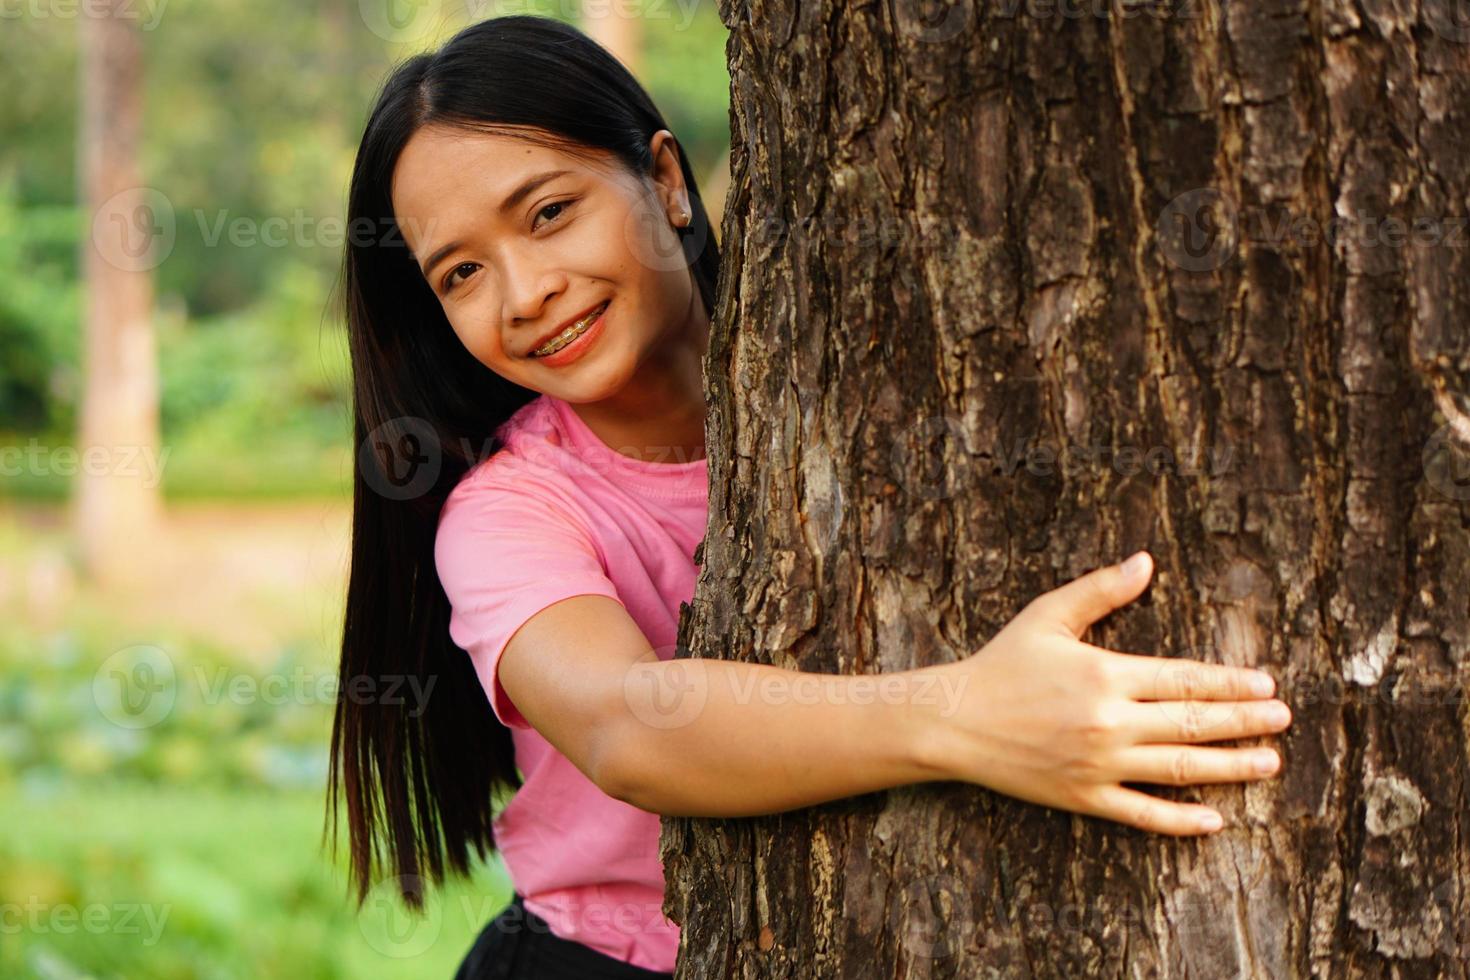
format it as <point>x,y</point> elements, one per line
<point>1263,685</point>
<point>1135,565</point>
<point>1211,821</point>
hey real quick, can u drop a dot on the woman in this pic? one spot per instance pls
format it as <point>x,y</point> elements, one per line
<point>527,340</point>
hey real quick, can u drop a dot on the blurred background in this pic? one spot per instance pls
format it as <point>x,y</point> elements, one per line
<point>176,461</point>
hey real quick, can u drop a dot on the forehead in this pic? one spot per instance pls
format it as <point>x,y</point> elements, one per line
<point>444,171</point>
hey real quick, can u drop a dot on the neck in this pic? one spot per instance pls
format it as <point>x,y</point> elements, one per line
<point>658,416</point>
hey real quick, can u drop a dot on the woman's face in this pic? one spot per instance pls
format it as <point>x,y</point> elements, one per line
<point>517,240</point>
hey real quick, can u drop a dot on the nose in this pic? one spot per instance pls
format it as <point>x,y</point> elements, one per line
<point>529,283</point>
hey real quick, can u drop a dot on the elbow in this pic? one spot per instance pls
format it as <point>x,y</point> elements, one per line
<point>614,769</point>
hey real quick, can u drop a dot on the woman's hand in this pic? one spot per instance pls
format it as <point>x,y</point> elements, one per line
<point>1048,718</point>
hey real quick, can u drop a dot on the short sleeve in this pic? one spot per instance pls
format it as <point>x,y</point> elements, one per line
<point>503,553</point>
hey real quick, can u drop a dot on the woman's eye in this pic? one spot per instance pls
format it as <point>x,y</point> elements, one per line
<point>448,283</point>
<point>558,206</point>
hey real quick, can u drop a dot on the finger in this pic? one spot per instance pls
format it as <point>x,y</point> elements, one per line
<point>1173,765</point>
<point>1200,721</point>
<point>1150,813</point>
<point>1146,678</point>
<point>1088,598</point>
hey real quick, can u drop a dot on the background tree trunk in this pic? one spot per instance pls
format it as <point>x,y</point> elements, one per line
<point>1013,292</point>
<point>117,505</point>
<point>618,29</point>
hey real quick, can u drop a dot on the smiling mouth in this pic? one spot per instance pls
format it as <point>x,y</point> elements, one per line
<point>570,333</point>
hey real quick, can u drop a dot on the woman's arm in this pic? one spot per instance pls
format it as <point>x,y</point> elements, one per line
<point>1037,714</point>
<point>711,737</point>
<point>729,739</point>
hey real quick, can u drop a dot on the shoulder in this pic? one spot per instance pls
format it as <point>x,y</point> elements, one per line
<point>511,510</point>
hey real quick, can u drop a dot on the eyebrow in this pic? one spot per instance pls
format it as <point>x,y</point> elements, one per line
<point>528,186</point>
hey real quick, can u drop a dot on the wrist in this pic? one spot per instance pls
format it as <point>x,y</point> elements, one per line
<point>926,723</point>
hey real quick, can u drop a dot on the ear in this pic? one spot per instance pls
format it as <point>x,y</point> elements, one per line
<point>668,177</point>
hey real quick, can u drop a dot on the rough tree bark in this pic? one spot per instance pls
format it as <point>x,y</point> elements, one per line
<point>1013,291</point>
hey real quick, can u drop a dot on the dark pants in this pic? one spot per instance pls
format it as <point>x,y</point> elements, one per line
<point>519,945</point>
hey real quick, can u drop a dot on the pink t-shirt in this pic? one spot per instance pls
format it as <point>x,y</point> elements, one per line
<point>553,514</point>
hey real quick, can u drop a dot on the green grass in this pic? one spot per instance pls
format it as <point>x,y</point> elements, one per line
<point>173,883</point>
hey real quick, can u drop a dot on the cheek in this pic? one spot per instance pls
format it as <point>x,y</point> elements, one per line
<point>483,344</point>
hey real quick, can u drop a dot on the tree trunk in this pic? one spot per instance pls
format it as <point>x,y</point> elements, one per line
<point>1013,292</point>
<point>117,497</point>
<point>618,29</point>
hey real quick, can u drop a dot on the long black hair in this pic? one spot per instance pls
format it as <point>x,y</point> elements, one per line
<point>416,752</point>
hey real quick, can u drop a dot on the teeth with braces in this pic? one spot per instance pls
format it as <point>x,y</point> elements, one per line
<point>570,333</point>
